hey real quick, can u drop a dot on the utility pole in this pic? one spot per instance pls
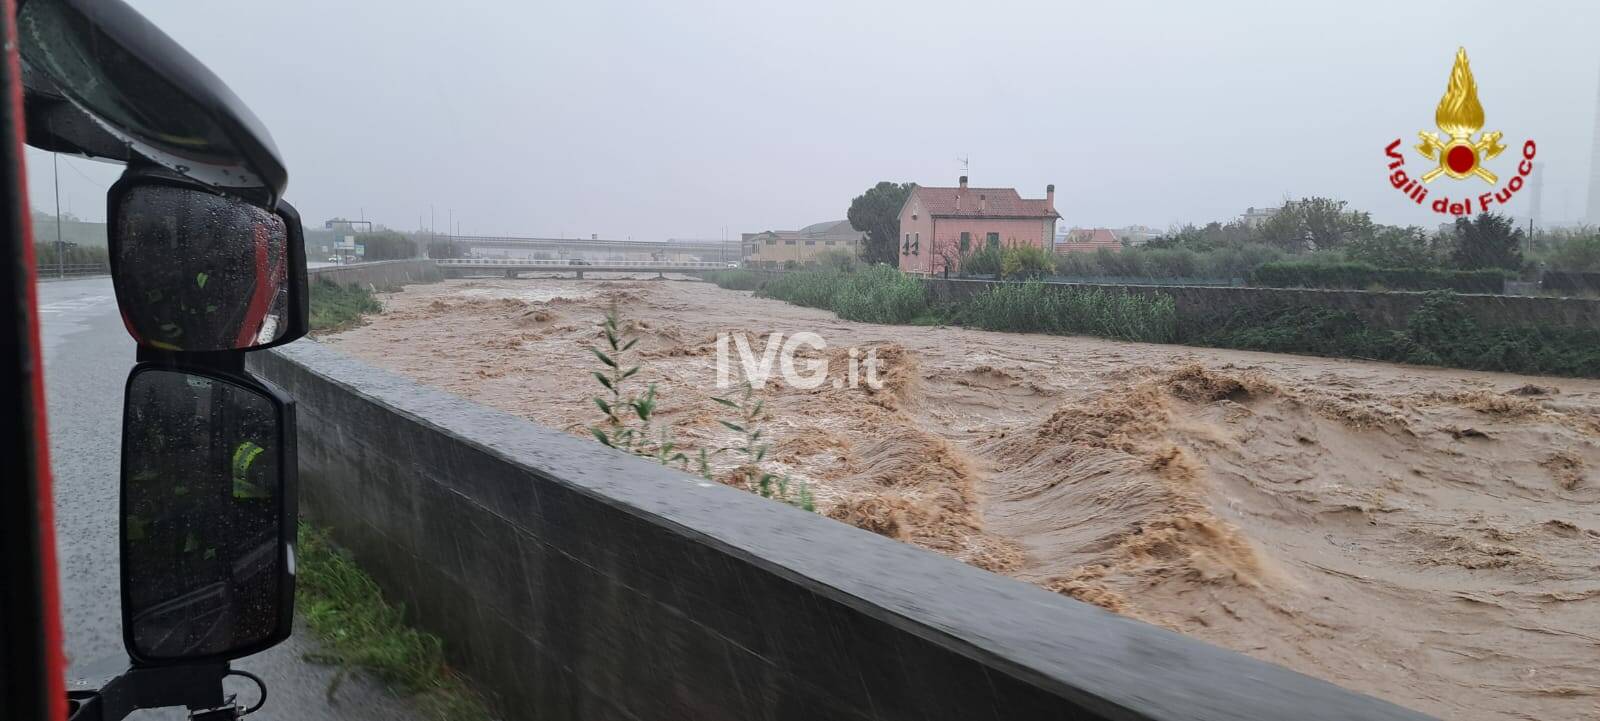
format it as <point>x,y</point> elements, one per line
<point>61,245</point>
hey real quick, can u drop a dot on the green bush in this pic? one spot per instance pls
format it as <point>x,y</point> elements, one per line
<point>1360,276</point>
<point>1026,261</point>
<point>335,306</point>
<point>386,245</point>
<point>1577,253</point>
<point>1237,261</point>
<point>1163,262</point>
<point>879,294</point>
<point>983,261</point>
<point>1038,307</point>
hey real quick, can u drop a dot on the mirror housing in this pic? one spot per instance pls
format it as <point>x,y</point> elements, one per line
<point>147,96</point>
<point>198,271</point>
<point>208,515</point>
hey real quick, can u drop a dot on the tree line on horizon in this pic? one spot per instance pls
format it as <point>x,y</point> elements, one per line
<point>1313,229</point>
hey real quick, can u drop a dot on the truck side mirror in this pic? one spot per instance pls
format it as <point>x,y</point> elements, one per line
<point>196,271</point>
<point>208,515</point>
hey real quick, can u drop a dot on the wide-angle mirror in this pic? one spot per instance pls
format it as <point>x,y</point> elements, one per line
<point>199,272</point>
<point>208,514</point>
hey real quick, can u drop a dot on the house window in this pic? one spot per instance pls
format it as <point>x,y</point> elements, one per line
<point>905,248</point>
<point>993,240</point>
<point>916,244</point>
<point>788,242</point>
<point>811,242</point>
<point>966,241</point>
<point>772,241</point>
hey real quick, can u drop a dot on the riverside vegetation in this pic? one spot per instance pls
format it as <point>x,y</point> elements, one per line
<point>628,424</point>
<point>1440,332</point>
<point>359,629</point>
<point>337,307</point>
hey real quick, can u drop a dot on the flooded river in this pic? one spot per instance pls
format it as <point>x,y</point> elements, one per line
<point>1428,536</point>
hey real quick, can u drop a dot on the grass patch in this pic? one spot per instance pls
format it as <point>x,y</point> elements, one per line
<point>873,294</point>
<point>812,288</point>
<point>337,307</point>
<point>360,630</point>
<point>878,294</point>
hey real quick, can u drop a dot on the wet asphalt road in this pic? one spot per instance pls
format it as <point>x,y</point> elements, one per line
<point>87,355</point>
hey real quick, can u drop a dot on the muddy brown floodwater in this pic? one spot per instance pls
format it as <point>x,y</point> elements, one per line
<point>1427,536</point>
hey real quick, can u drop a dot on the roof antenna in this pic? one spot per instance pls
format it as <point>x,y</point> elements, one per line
<point>964,164</point>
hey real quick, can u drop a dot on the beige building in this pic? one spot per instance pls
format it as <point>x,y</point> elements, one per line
<point>1256,216</point>
<point>781,248</point>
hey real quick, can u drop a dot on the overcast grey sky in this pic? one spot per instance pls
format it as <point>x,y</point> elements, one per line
<point>681,119</point>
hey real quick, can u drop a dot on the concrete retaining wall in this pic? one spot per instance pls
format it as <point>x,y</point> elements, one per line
<point>380,273</point>
<point>577,582</point>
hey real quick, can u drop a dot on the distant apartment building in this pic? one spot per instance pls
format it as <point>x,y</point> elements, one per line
<point>1089,240</point>
<point>1137,234</point>
<point>939,225</point>
<point>781,248</point>
<point>1256,216</point>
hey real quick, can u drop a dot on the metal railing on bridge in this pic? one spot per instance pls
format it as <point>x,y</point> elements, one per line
<point>56,270</point>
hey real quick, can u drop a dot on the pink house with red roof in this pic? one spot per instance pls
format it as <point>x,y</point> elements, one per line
<point>939,225</point>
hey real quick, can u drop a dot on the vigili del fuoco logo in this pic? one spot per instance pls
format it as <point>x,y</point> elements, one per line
<point>1456,154</point>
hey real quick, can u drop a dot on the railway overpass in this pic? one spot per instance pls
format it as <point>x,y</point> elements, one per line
<point>594,248</point>
<point>510,267</point>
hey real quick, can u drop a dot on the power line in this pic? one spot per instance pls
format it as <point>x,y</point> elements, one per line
<point>88,179</point>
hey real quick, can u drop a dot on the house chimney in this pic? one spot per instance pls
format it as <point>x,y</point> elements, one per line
<point>963,182</point>
<point>983,203</point>
<point>1050,196</point>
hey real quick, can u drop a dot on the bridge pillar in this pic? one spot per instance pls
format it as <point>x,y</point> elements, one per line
<point>511,274</point>
<point>580,275</point>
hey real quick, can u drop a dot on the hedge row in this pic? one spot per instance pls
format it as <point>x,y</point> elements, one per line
<point>1440,332</point>
<point>1571,282</point>
<point>1360,276</point>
